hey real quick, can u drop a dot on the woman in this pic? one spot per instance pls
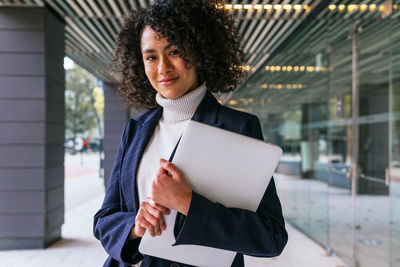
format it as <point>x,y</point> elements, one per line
<point>171,57</point>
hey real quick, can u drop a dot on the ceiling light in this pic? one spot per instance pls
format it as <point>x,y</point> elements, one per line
<point>351,8</point>
<point>372,7</point>
<point>287,7</point>
<point>228,6</point>
<point>363,7</point>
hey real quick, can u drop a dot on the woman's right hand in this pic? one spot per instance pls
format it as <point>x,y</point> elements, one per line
<point>150,218</point>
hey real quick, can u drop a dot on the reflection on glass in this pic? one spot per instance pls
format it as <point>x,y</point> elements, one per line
<point>339,142</point>
<point>394,145</point>
<point>314,126</point>
<point>373,193</point>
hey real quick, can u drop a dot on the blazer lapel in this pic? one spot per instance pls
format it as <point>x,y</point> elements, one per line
<point>207,111</point>
<point>143,134</point>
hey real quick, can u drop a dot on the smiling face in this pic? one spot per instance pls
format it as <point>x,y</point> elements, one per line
<point>164,68</point>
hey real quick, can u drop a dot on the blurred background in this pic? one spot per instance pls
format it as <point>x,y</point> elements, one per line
<point>323,77</point>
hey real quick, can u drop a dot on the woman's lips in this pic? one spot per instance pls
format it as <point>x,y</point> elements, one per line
<point>168,81</point>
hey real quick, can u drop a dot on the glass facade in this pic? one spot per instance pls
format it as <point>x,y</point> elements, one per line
<point>393,173</point>
<point>330,97</point>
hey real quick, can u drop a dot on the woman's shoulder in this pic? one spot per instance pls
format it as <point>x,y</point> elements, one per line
<point>145,116</point>
<point>234,114</point>
<point>225,112</point>
<point>240,121</point>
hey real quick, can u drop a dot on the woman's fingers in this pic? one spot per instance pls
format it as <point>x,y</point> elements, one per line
<point>149,227</point>
<point>145,225</point>
<point>163,209</point>
<point>157,211</point>
<point>141,230</point>
<point>159,207</point>
<point>156,215</point>
<point>150,217</point>
<point>171,168</point>
<point>161,171</point>
<point>172,191</point>
<point>140,225</point>
<point>148,212</point>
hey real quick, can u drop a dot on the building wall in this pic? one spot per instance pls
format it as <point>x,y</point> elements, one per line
<point>115,118</point>
<point>31,127</point>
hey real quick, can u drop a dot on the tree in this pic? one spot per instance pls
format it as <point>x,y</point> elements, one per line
<point>79,102</point>
<point>98,105</point>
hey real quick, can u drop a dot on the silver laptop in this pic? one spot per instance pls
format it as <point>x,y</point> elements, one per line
<point>224,167</point>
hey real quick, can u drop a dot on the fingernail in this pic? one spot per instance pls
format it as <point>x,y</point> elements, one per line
<point>164,162</point>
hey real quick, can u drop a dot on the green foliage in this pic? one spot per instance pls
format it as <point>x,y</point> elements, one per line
<point>98,96</point>
<point>79,100</point>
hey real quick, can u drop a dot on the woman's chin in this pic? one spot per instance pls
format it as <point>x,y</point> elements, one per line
<point>171,93</point>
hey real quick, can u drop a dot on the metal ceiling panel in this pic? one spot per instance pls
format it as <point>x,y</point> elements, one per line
<point>267,27</point>
<point>92,26</point>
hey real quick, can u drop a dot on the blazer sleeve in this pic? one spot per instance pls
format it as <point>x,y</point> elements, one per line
<point>261,233</point>
<point>113,223</point>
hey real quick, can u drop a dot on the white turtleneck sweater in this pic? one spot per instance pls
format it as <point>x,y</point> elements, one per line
<point>176,114</point>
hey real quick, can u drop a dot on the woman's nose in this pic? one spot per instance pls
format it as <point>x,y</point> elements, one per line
<point>164,66</point>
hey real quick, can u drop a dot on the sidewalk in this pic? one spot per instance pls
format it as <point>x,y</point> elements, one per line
<point>79,248</point>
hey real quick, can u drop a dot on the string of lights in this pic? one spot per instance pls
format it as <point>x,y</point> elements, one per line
<point>288,68</point>
<point>267,8</point>
<point>297,69</point>
<point>283,86</point>
<point>362,7</point>
<point>307,8</point>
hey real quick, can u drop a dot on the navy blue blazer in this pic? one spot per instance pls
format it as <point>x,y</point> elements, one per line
<point>261,233</point>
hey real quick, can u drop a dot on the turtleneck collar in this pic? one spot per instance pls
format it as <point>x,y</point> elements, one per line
<point>181,108</point>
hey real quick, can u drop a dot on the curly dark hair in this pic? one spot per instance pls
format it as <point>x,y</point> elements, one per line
<point>202,30</point>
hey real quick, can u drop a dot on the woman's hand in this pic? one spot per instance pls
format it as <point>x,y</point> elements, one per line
<point>150,218</point>
<point>171,189</point>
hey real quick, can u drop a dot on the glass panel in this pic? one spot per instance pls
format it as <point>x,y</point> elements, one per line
<point>293,109</point>
<point>394,143</point>
<point>303,95</point>
<point>339,139</point>
<point>373,201</point>
<point>288,94</point>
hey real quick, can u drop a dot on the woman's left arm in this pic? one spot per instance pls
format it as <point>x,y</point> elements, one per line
<point>261,233</point>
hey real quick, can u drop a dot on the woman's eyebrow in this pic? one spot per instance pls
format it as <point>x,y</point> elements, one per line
<point>168,47</point>
<point>153,51</point>
<point>148,51</point>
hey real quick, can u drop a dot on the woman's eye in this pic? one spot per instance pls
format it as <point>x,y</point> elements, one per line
<point>150,58</point>
<point>174,52</point>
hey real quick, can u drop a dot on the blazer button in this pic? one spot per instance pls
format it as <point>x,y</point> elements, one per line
<point>174,265</point>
